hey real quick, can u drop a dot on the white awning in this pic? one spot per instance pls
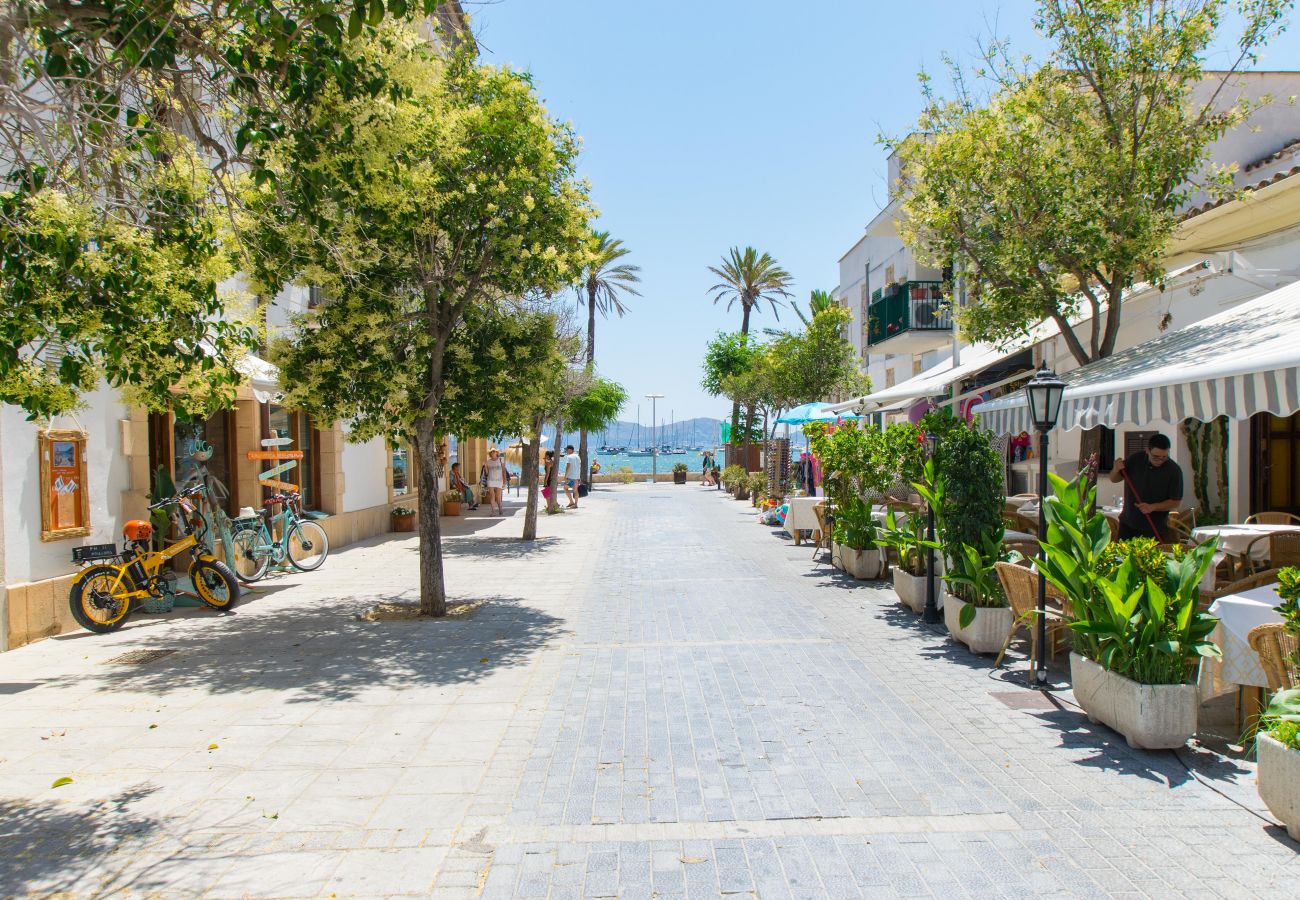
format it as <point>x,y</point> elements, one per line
<point>263,377</point>
<point>1236,364</point>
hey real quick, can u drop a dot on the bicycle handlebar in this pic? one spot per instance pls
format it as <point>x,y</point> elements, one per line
<point>172,501</point>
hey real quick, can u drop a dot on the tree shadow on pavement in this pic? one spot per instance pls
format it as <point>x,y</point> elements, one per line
<point>498,548</point>
<point>47,847</point>
<point>323,652</point>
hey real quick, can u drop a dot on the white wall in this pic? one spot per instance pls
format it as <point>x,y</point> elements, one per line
<point>365,469</point>
<point>27,558</point>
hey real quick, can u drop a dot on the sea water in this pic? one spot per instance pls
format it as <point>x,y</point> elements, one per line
<point>610,463</point>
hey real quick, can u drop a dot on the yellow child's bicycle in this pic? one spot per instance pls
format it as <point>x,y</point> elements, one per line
<point>103,594</point>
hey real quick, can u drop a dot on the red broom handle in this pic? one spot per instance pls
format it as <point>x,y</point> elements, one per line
<point>1138,497</point>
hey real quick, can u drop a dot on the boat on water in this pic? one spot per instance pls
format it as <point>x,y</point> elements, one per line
<point>646,452</point>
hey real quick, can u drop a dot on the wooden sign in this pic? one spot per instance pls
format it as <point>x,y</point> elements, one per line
<point>276,470</point>
<point>65,499</point>
<point>275,454</point>
<point>277,442</point>
<point>276,484</point>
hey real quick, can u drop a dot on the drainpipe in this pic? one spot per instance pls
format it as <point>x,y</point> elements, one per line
<point>959,297</point>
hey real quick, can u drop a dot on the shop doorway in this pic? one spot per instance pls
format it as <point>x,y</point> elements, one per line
<point>1275,463</point>
<point>301,430</point>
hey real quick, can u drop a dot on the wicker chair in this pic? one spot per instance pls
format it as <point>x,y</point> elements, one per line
<point>1259,579</point>
<point>823,541</point>
<point>1181,523</point>
<point>1021,586</point>
<point>1278,651</point>
<point>1273,518</point>
<point>1283,550</point>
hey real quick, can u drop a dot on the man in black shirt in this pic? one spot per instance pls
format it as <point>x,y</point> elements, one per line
<point>1158,482</point>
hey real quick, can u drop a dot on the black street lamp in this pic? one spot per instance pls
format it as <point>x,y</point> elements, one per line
<point>931,615</point>
<point>1044,395</point>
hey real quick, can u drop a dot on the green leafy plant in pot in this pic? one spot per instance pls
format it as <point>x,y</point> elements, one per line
<point>1139,637</point>
<point>679,473</point>
<point>1278,737</point>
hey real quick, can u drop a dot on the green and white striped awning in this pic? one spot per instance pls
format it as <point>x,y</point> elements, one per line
<point>1236,364</point>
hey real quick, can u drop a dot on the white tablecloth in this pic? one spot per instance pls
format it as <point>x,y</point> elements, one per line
<point>1238,614</point>
<point>801,517</point>
<point>1234,539</point>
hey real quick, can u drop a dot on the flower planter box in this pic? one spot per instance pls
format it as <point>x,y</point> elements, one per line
<point>742,493</point>
<point>1279,781</point>
<point>406,522</point>
<point>911,589</point>
<point>861,564</point>
<point>986,633</point>
<point>1150,716</point>
<point>679,478</point>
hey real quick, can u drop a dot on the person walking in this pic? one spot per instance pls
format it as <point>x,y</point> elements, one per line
<point>572,475</point>
<point>1153,485</point>
<point>495,472</point>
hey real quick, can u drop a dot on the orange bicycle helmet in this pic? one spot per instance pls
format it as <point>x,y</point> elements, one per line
<point>137,530</point>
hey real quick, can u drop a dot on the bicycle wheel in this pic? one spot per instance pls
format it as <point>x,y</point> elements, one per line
<point>214,583</point>
<point>252,555</point>
<point>308,545</point>
<point>92,603</point>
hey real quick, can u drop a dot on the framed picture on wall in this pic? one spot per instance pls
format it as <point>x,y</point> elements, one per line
<point>65,498</point>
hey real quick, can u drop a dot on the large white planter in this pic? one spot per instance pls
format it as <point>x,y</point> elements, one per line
<point>1150,716</point>
<point>986,633</point>
<point>1279,782</point>
<point>911,589</point>
<point>861,564</point>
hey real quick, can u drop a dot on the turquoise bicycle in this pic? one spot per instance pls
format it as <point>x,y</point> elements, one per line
<point>301,542</point>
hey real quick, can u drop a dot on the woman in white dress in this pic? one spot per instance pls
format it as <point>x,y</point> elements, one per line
<point>495,469</point>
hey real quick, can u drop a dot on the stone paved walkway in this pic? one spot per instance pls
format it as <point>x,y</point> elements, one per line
<point>660,698</point>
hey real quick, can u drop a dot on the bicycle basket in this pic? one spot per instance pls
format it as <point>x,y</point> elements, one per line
<point>92,552</point>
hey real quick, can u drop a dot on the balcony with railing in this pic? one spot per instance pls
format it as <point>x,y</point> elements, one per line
<point>916,310</point>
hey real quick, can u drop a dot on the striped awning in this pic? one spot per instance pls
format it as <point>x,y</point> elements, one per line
<point>1236,364</point>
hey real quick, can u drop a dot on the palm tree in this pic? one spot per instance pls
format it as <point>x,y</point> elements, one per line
<point>818,302</point>
<point>603,280</point>
<point>749,278</point>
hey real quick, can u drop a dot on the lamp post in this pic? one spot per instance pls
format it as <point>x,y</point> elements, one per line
<point>654,438</point>
<point>1044,395</point>
<point>931,615</point>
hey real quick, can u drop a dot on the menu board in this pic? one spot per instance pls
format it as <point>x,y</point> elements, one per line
<point>65,499</point>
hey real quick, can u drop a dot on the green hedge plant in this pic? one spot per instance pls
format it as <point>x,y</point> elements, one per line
<point>1145,626</point>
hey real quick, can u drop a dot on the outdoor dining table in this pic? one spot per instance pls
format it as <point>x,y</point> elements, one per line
<point>1234,540</point>
<point>800,516</point>
<point>1240,666</point>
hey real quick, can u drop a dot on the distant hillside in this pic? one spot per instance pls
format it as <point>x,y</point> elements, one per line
<point>701,431</point>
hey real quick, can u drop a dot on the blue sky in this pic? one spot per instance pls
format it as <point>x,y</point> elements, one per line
<point>726,122</point>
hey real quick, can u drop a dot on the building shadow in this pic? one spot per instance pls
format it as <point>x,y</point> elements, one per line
<point>322,651</point>
<point>46,848</point>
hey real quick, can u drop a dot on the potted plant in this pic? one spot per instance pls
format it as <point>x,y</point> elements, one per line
<point>757,484</point>
<point>404,518</point>
<point>679,473</point>
<point>855,547</point>
<point>740,484</point>
<point>907,538</point>
<point>1139,636</point>
<point>732,476</point>
<point>975,607</point>
<point>1277,743</point>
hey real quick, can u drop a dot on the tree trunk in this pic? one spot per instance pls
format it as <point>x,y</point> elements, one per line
<point>591,365</point>
<point>749,430</point>
<point>532,450</point>
<point>554,481</point>
<point>433,590</point>
<point>735,405</point>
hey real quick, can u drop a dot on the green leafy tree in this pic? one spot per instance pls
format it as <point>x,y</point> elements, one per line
<point>453,189</point>
<point>604,279</point>
<point>817,364</point>
<point>819,301</point>
<point>749,278</point>
<point>90,298</point>
<point>123,130</point>
<point>1062,189</point>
